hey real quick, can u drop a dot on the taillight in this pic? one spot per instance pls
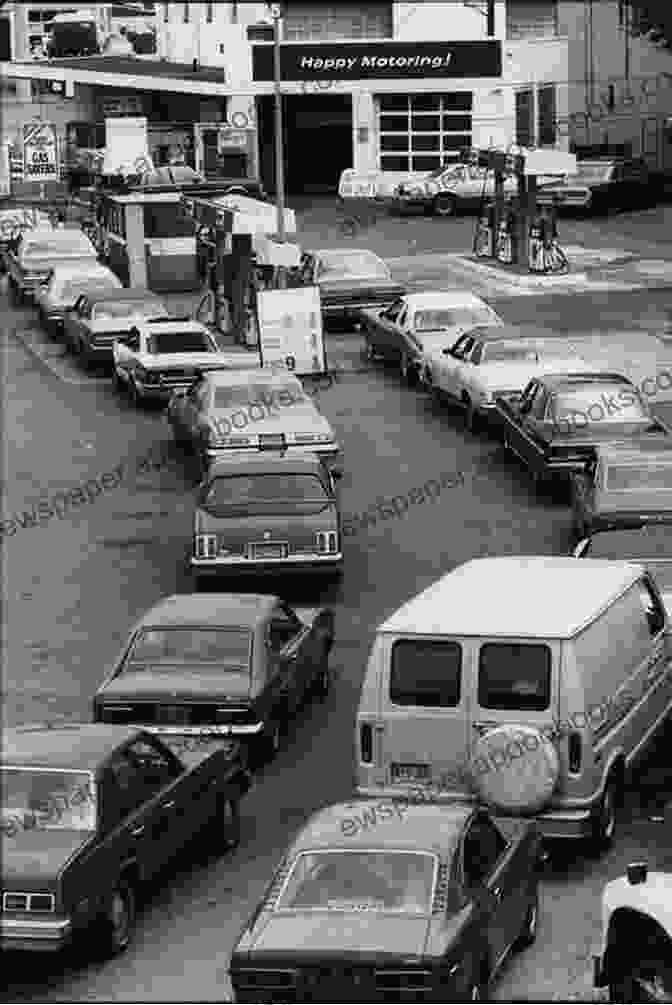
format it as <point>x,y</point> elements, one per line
<point>205,546</point>
<point>327,541</point>
<point>366,743</point>
<point>574,750</point>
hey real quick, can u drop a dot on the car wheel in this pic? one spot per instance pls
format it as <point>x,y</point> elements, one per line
<point>119,919</point>
<point>605,819</point>
<point>445,205</point>
<point>226,826</point>
<point>530,927</point>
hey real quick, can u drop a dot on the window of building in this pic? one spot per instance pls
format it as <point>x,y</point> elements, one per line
<point>525,118</point>
<point>546,116</point>
<point>531,19</point>
<point>420,132</point>
<point>306,21</point>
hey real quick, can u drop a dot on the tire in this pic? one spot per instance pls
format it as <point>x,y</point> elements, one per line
<point>118,922</point>
<point>225,832</point>
<point>604,823</point>
<point>530,927</point>
<point>445,205</point>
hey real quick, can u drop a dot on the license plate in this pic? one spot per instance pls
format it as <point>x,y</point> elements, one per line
<point>174,715</point>
<point>410,772</point>
<point>260,551</point>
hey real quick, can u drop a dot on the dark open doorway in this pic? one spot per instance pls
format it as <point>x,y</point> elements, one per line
<point>318,141</point>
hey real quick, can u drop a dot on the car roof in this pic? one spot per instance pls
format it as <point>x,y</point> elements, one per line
<point>168,324</point>
<point>558,381</point>
<point>424,827</point>
<point>216,610</point>
<point>514,597</point>
<point>74,746</point>
<point>234,378</point>
<point>445,297</point>
<point>503,333</point>
<point>269,463</point>
<point>124,294</point>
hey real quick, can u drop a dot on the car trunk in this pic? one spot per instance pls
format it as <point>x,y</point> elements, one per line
<point>266,536</point>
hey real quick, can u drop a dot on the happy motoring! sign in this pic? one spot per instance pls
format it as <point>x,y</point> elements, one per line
<point>363,60</point>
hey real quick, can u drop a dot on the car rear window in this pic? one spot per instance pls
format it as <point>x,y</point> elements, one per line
<point>588,403</point>
<point>629,478</point>
<point>227,647</point>
<point>167,342</point>
<point>514,676</point>
<point>261,494</point>
<point>255,391</point>
<point>426,673</point>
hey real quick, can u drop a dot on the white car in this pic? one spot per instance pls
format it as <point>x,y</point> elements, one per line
<point>161,355</point>
<point>449,189</point>
<point>64,287</point>
<point>497,360</point>
<point>419,323</point>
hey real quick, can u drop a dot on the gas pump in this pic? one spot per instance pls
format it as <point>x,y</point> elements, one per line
<point>484,245</point>
<point>506,248</point>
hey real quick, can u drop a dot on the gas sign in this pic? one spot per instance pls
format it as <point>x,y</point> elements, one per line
<point>40,152</point>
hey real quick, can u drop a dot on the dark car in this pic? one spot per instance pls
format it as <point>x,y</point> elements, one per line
<point>219,665</point>
<point>600,184</point>
<point>267,514</point>
<point>624,487</point>
<point>349,280</point>
<point>561,419</point>
<point>380,901</point>
<point>90,813</point>
<point>649,545</point>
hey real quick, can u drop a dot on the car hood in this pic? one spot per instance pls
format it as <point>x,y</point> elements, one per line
<point>515,375</point>
<point>202,360</point>
<point>35,856</point>
<point>316,932</point>
<point>181,685</point>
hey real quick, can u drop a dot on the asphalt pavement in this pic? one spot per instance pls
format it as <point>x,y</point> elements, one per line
<point>74,584</point>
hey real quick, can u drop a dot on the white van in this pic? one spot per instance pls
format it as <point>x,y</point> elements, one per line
<point>530,683</point>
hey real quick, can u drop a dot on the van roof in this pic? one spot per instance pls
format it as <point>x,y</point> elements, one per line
<point>515,597</point>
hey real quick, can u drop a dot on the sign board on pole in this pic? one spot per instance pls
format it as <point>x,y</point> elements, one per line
<point>290,330</point>
<point>40,152</point>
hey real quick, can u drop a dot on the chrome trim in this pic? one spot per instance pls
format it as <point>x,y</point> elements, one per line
<point>29,899</point>
<point>206,730</point>
<point>22,928</point>
<point>292,558</point>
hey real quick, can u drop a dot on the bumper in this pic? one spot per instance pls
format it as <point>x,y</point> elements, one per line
<point>312,565</point>
<point>34,935</point>
<point>351,311</point>
<point>252,729</point>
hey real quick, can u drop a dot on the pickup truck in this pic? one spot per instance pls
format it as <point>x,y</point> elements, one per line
<point>90,813</point>
<point>560,420</point>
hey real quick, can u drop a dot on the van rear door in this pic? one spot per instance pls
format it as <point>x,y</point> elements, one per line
<point>425,711</point>
<point>515,681</point>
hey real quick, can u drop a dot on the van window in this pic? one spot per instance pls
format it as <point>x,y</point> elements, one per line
<point>514,676</point>
<point>655,615</point>
<point>426,673</point>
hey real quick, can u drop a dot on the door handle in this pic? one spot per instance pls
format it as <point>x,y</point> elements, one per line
<point>169,805</point>
<point>137,831</point>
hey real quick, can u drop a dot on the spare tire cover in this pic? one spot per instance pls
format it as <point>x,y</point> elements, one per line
<point>515,769</point>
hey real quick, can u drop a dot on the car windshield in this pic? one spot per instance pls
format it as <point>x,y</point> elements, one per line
<point>442,318</point>
<point>165,342</point>
<point>584,405</point>
<point>635,478</point>
<point>650,545</point>
<point>590,172</point>
<point>355,264</point>
<point>510,352</point>
<point>43,800</point>
<point>228,648</point>
<point>72,243</point>
<point>266,494</point>
<point>391,881</point>
<point>72,288</point>
<point>114,309</point>
<point>247,394</point>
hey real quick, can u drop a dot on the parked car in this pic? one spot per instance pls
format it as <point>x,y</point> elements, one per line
<point>450,189</point>
<point>267,513</point>
<point>14,220</point>
<point>64,287</point>
<point>272,410</point>
<point>32,257</point>
<point>414,325</point>
<point>649,544</point>
<point>98,318</point>
<point>623,488</point>
<point>636,958</point>
<point>601,184</point>
<point>491,360</point>
<point>516,702</point>
<point>349,280</point>
<point>161,355</point>
<point>216,665</point>
<point>90,813</point>
<point>382,901</point>
<point>543,430</point>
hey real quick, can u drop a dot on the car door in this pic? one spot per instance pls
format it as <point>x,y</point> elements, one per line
<point>169,809</point>
<point>184,410</point>
<point>287,644</point>
<point>526,438</point>
<point>384,331</point>
<point>466,371</point>
<point>492,879</point>
<point>73,320</point>
<point>583,494</point>
<point>451,360</point>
